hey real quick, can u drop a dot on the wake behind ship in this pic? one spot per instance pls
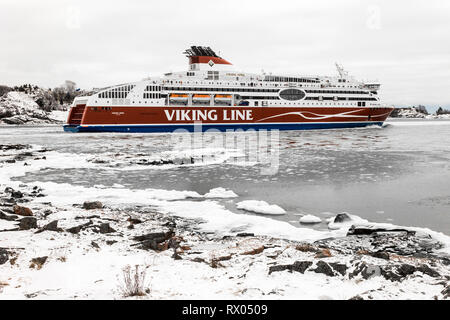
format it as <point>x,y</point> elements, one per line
<point>213,94</point>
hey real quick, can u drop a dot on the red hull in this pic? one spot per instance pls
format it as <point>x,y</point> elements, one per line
<point>222,115</point>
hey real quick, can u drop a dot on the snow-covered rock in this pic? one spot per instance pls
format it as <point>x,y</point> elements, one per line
<point>220,193</point>
<point>260,207</point>
<point>310,219</point>
<point>412,112</point>
<point>20,108</point>
<point>344,220</point>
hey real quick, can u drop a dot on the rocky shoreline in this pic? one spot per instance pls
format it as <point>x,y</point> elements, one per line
<point>98,246</point>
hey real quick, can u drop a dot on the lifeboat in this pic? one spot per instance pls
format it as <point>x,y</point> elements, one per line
<point>178,97</point>
<point>222,97</point>
<point>201,97</point>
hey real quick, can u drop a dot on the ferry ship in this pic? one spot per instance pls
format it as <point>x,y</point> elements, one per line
<point>211,94</point>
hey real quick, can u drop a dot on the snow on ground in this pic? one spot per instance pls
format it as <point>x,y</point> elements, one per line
<point>260,206</point>
<point>309,218</point>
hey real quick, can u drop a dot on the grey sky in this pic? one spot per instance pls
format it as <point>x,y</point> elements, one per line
<point>403,44</point>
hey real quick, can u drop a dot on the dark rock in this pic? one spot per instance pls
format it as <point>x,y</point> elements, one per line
<point>134,220</point>
<point>301,266</point>
<point>22,211</point>
<point>8,217</point>
<point>77,229</point>
<point>297,266</point>
<point>406,270</point>
<point>4,256</point>
<point>356,298</point>
<point>95,245</point>
<point>445,292</point>
<point>7,147</point>
<point>390,274</point>
<point>153,240</point>
<point>28,223</point>
<point>342,217</point>
<point>365,270</point>
<point>428,271</point>
<point>17,194</point>
<point>338,267</point>
<point>52,226</point>
<point>38,262</point>
<point>105,228</point>
<point>380,255</point>
<point>245,234</point>
<point>110,242</point>
<point>155,236</point>
<point>90,205</point>
<point>368,230</point>
<point>281,267</point>
<point>9,190</point>
<point>323,267</point>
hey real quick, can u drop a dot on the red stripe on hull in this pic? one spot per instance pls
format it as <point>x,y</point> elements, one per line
<point>188,115</point>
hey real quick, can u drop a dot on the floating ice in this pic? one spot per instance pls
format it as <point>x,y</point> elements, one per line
<point>260,207</point>
<point>220,193</point>
<point>310,219</point>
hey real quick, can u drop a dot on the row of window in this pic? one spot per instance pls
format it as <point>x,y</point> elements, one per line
<point>117,93</point>
<point>152,95</point>
<point>153,88</point>
<point>260,98</point>
<point>213,75</point>
<point>342,98</point>
<point>289,79</point>
<point>219,89</point>
<point>258,90</point>
<point>337,92</point>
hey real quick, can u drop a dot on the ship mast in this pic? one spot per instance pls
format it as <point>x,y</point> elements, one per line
<point>342,73</point>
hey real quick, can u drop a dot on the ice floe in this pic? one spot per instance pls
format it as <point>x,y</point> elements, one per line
<point>310,219</point>
<point>260,206</point>
<point>220,193</point>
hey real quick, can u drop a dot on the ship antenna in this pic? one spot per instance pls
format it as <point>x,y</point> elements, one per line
<point>341,71</point>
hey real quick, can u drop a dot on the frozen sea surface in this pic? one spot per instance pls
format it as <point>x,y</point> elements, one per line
<point>398,174</point>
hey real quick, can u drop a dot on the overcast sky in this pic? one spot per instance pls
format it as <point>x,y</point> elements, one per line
<point>403,44</point>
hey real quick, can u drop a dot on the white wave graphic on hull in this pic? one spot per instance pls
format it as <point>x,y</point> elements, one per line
<point>347,114</point>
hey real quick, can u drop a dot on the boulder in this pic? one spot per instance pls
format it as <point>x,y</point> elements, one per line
<point>342,217</point>
<point>28,223</point>
<point>301,266</point>
<point>105,228</point>
<point>7,217</point>
<point>52,226</point>
<point>22,211</point>
<point>17,194</point>
<point>370,230</point>
<point>323,253</point>
<point>90,205</point>
<point>323,267</point>
<point>77,229</point>
<point>4,256</point>
<point>338,267</point>
<point>446,292</point>
<point>37,263</point>
<point>298,266</point>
